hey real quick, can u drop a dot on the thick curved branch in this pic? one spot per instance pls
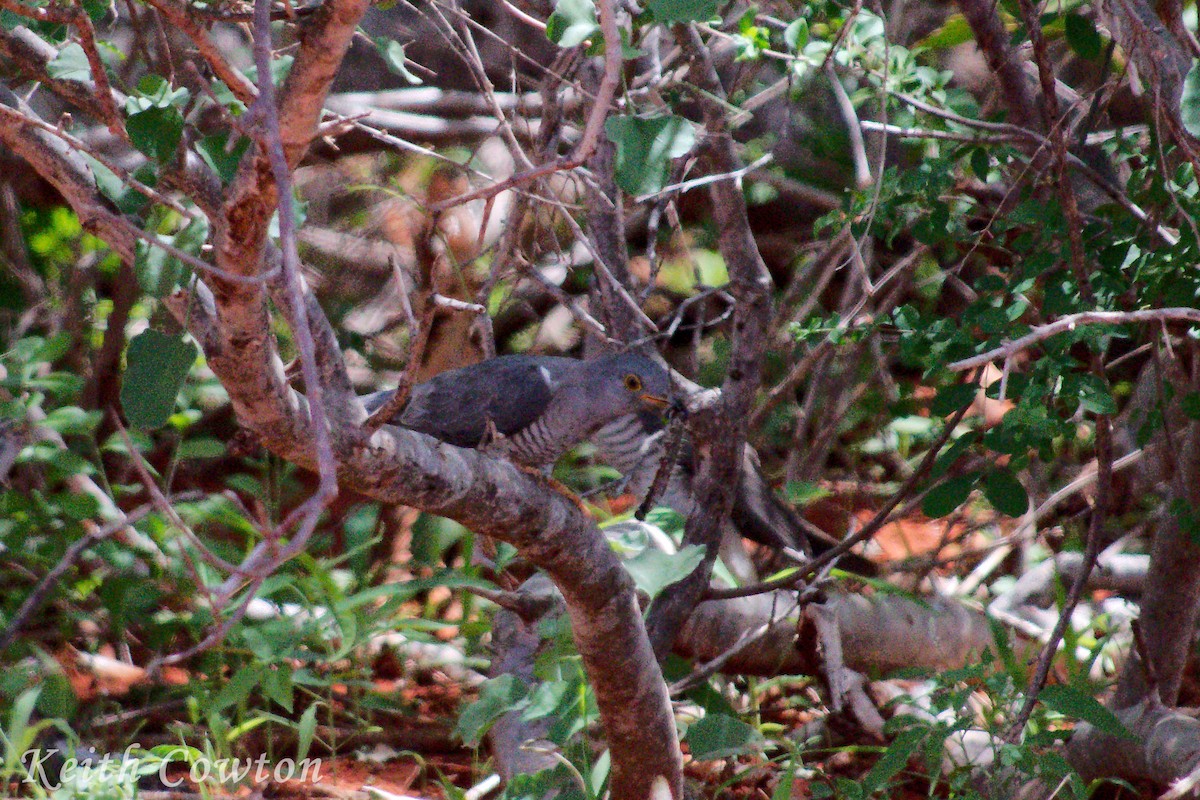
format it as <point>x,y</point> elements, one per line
<point>983,17</point>
<point>324,39</point>
<point>1069,323</point>
<point>1168,746</point>
<point>497,499</point>
<point>1161,59</point>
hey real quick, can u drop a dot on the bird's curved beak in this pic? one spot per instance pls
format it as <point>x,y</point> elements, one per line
<point>654,400</point>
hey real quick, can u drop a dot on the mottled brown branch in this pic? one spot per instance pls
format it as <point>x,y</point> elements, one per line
<point>993,40</point>
<point>1161,59</point>
<point>104,94</point>
<point>240,230</point>
<point>31,55</point>
<point>181,17</point>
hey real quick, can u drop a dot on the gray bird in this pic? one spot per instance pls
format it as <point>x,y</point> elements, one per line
<point>532,408</point>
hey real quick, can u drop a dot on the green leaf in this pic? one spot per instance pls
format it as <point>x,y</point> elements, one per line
<point>156,131</point>
<point>546,698</point>
<point>201,448</point>
<point>600,771</point>
<point>572,23</point>
<point>795,35</point>
<point>155,90</point>
<point>238,687</point>
<point>894,759</point>
<point>980,162</point>
<point>1189,101</point>
<point>951,398</point>
<point>72,420</point>
<point>1094,395</point>
<point>57,698</point>
<point>669,12</point>
<point>1071,702</point>
<point>653,570</point>
<point>783,789</point>
<point>720,736</point>
<point>306,730</point>
<point>949,495</point>
<point>158,272</point>
<point>496,697</point>
<point>277,685</point>
<point>1005,492</point>
<point>645,148</point>
<point>1187,519</point>
<point>1189,404</point>
<point>220,157</point>
<point>801,493</point>
<point>156,366</point>
<point>1082,36</point>
<point>393,54</point>
<point>953,32</point>
<point>52,349</point>
<point>18,724</point>
<point>78,506</point>
<point>70,64</point>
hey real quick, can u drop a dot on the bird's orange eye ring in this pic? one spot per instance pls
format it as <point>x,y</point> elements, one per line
<point>633,383</point>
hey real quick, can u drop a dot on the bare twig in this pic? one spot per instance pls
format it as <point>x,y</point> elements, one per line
<point>592,127</point>
<point>858,149</point>
<point>949,136</point>
<point>706,670</point>
<point>1104,462</point>
<point>881,518</point>
<point>1070,322</point>
<point>696,183</point>
<point>268,556</point>
<point>38,596</point>
<point>418,342</point>
<point>180,17</point>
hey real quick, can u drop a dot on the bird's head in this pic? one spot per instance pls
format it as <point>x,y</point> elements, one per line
<point>628,383</point>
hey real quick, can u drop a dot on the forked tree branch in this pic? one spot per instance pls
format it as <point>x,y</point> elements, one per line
<point>720,432</point>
